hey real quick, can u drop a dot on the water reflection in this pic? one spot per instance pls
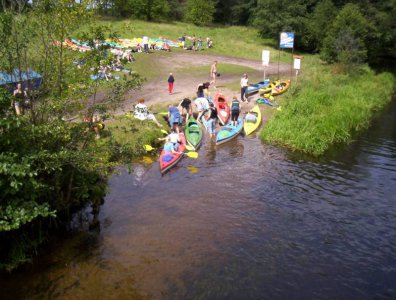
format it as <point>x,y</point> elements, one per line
<point>244,221</point>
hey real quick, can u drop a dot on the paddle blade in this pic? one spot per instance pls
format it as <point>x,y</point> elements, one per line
<point>164,131</point>
<point>192,154</point>
<point>148,148</point>
<point>189,148</point>
<point>163,113</point>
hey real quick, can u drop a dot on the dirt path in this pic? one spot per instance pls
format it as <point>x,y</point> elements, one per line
<point>155,91</point>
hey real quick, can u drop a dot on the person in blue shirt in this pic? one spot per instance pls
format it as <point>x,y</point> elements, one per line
<point>174,118</point>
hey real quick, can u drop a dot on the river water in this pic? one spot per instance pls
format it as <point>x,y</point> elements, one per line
<point>243,221</point>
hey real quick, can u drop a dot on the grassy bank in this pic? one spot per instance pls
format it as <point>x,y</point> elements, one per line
<point>326,108</point>
<point>237,41</point>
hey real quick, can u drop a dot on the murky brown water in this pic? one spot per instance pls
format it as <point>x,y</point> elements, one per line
<point>243,221</point>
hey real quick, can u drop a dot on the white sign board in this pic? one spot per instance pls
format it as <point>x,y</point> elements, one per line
<point>266,57</point>
<point>297,63</point>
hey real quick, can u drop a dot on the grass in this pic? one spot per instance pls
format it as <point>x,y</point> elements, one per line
<point>326,108</point>
<point>237,41</point>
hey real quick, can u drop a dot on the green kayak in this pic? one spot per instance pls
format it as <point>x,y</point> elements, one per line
<point>193,133</point>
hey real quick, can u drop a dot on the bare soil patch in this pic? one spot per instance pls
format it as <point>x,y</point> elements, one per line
<point>155,91</point>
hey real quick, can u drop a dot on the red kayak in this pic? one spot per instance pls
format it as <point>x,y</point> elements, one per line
<point>223,109</point>
<point>168,160</point>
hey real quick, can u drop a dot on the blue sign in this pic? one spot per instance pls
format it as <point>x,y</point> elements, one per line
<point>286,40</point>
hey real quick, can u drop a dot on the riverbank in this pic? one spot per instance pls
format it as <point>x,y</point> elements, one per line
<point>326,108</point>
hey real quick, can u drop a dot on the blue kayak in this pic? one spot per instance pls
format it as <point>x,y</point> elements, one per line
<point>229,132</point>
<point>254,88</point>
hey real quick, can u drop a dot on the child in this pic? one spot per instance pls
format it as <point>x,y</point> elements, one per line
<point>171,80</point>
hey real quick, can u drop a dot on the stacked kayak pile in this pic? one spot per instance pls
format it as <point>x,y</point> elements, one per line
<point>275,88</point>
<point>254,88</point>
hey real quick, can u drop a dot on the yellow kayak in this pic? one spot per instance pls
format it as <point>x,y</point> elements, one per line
<point>281,88</point>
<point>252,120</point>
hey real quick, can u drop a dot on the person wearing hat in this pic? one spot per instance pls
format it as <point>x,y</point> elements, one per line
<point>171,80</point>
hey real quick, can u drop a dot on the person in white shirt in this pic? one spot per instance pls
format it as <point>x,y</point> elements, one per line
<point>202,105</point>
<point>141,112</point>
<point>244,86</point>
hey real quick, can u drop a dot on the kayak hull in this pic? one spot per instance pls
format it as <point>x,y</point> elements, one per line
<point>193,133</point>
<point>229,132</point>
<point>254,88</point>
<point>223,109</point>
<point>250,127</point>
<point>169,160</point>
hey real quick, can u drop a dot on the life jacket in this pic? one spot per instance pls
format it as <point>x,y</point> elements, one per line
<point>235,105</point>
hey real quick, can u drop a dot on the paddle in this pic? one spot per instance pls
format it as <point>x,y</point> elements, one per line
<point>191,154</point>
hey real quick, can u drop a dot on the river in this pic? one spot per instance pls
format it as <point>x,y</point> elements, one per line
<point>243,221</point>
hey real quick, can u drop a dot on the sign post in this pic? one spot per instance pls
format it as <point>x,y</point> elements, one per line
<point>286,41</point>
<point>297,64</point>
<point>265,58</point>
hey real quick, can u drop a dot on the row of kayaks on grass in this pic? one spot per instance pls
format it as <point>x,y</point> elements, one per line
<point>273,88</point>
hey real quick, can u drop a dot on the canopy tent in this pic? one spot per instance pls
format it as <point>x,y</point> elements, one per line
<point>28,78</point>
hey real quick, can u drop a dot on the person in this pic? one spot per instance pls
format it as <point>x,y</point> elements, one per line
<point>251,117</point>
<point>185,107</point>
<point>94,123</point>
<point>235,110</point>
<point>202,105</point>
<point>244,86</point>
<point>19,98</point>
<point>207,42</point>
<point>171,80</point>
<point>183,40</point>
<point>212,119</point>
<point>169,147</point>
<point>173,139</point>
<point>145,44</point>
<point>213,73</point>
<point>210,43</point>
<point>141,112</point>
<point>194,41</point>
<point>174,118</point>
<point>203,90</point>
<point>199,43</point>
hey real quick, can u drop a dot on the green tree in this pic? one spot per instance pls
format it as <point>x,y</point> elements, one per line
<point>346,39</point>
<point>200,12</point>
<point>318,24</point>
<point>274,16</point>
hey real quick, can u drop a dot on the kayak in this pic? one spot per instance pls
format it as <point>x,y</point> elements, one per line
<point>168,160</point>
<point>275,88</point>
<point>265,101</point>
<point>268,89</point>
<point>249,127</point>
<point>229,132</point>
<point>254,88</point>
<point>280,88</point>
<point>193,133</point>
<point>223,109</point>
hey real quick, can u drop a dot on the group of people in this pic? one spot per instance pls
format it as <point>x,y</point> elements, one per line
<point>197,43</point>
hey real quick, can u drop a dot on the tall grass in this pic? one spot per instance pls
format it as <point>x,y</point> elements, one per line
<point>327,108</point>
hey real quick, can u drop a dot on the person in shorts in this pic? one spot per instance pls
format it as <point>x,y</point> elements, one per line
<point>185,108</point>
<point>202,105</point>
<point>212,119</point>
<point>174,118</point>
<point>235,110</point>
